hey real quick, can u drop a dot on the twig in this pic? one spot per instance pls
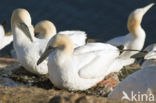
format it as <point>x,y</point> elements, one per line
<point>7,60</point>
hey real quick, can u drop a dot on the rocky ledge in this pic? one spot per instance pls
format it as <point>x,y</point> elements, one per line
<point>39,95</point>
<point>19,86</point>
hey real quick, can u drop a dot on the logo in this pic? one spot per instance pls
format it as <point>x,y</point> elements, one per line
<point>149,97</point>
<point>125,96</point>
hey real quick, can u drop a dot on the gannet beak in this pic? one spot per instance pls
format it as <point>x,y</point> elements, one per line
<point>146,8</point>
<point>45,55</point>
<point>26,30</point>
<point>150,55</point>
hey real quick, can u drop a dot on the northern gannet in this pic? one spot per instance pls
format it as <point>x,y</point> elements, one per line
<point>143,81</point>
<point>28,48</point>
<point>133,40</point>
<point>79,68</point>
<point>46,29</point>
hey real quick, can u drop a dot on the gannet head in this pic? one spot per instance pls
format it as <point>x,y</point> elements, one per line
<point>21,18</point>
<point>45,29</point>
<point>135,18</point>
<point>151,53</point>
<point>61,42</point>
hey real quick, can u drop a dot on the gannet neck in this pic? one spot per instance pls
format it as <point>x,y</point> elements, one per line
<point>32,30</point>
<point>63,43</point>
<point>135,19</point>
<point>45,29</point>
<point>134,26</point>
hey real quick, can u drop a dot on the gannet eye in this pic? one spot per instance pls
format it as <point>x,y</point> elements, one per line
<point>51,48</point>
<point>36,34</point>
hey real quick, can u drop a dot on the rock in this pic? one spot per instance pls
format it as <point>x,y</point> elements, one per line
<point>38,95</point>
<point>127,70</point>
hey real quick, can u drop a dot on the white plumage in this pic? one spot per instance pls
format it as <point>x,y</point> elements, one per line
<point>4,40</point>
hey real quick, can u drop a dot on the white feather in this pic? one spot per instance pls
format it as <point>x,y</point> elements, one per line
<point>4,40</point>
<point>78,37</point>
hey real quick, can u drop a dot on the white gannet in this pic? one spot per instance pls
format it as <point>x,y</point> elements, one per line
<point>4,39</point>
<point>46,29</point>
<point>28,48</point>
<point>142,81</point>
<point>79,68</point>
<point>133,40</point>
